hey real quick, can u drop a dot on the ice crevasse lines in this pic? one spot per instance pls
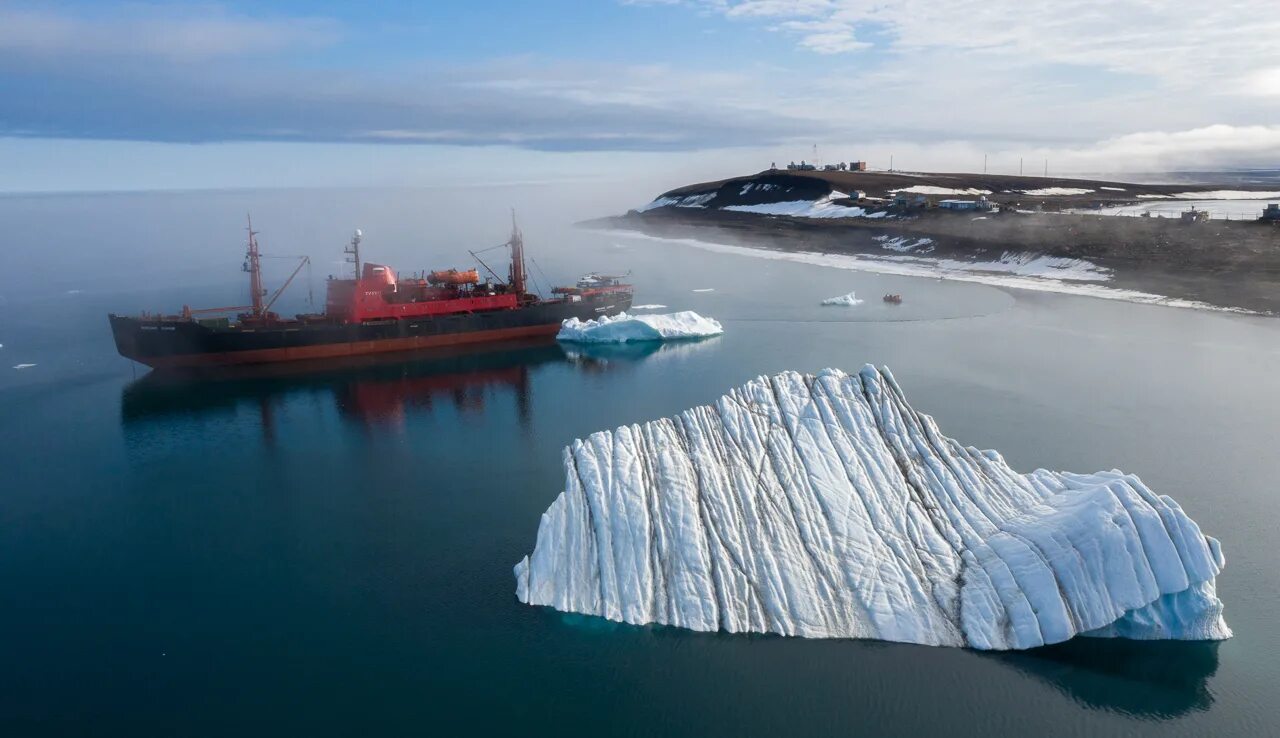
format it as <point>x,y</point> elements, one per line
<point>826,506</point>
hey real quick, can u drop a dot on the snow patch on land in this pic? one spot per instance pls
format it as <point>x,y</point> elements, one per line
<point>824,207</point>
<point>827,507</point>
<point>1226,195</point>
<point>932,190</point>
<point>1051,191</point>
<point>687,201</point>
<point>1113,189</point>
<point>848,300</point>
<point>624,328</point>
<point>1170,208</point>
<point>902,244</point>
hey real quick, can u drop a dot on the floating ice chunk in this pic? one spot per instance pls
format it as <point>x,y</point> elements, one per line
<point>23,366</point>
<point>706,289</point>
<point>647,307</point>
<point>848,300</point>
<point>826,506</point>
<point>624,328</point>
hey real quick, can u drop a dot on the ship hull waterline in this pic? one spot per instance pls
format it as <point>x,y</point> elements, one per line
<point>180,344</point>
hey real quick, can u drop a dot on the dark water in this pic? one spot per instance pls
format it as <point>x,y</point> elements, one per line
<point>329,552</point>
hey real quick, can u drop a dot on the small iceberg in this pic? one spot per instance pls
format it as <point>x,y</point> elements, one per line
<point>827,507</point>
<point>648,307</point>
<point>624,328</point>
<point>848,300</point>
<point>23,366</point>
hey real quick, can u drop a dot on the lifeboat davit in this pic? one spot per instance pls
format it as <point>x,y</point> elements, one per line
<point>454,277</point>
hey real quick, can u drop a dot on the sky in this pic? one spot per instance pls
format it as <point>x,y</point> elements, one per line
<point>134,95</point>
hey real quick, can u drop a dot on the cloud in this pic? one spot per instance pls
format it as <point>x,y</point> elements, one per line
<point>1215,42</point>
<point>152,32</point>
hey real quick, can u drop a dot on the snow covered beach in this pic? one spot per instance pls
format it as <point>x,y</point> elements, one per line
<point>826,506</point>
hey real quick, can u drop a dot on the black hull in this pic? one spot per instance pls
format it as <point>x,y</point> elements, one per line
<point>175,343</point>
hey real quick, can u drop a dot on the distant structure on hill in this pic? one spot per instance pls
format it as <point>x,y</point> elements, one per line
<point>982,203</point>
<point>1195,216</point>
<point>842,166</point>
<point>1272,213</point>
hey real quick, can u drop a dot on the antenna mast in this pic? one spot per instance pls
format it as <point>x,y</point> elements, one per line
<point>353,251</point>
<point>517,279</point>
<point>253,266</point>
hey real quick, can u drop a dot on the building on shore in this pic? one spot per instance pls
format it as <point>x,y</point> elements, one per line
<point>1195,216</point>
<point>982,203</point>
<point>1271,213</point>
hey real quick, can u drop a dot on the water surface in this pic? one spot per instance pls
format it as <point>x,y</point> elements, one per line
<point>329,551</point>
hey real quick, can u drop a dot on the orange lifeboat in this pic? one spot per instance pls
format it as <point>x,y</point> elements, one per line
<point>454,277</point>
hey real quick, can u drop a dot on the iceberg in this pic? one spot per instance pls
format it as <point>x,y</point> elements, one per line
<point>848,300</point>
<point>827,507</point>
<point>624,328</point>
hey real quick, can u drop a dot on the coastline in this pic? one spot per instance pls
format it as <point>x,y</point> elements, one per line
<point>908,248</point>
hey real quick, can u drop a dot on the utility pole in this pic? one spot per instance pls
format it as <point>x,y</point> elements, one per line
<point>891,162</point>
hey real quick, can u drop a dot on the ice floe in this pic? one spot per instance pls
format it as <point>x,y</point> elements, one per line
<point>624,328</point>
<point>827,507</point>
<point>23,366</point>
<point>648,307</point>
<point>848,300</point>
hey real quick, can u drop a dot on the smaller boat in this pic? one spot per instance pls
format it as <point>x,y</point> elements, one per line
<point>893,299</point>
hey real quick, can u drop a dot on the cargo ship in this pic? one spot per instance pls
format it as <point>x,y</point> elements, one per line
<point>374,311</point>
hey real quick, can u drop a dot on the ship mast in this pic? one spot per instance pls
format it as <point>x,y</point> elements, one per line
<point>353,251</point>
<point>252,265</point>
<point>517,279</point>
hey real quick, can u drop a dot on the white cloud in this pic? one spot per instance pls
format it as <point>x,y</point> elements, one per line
<point>1179,46</point>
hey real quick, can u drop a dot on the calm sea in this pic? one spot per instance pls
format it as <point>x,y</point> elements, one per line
<point>329,552</point>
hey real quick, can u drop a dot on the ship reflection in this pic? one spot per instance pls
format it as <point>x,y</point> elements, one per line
<point>376,393</point>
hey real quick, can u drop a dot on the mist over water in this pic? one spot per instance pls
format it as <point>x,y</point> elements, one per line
<point>330,552</point>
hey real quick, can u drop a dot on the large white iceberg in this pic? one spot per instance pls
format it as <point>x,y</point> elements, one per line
<point>826,506</point>
<point>624,328</point>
